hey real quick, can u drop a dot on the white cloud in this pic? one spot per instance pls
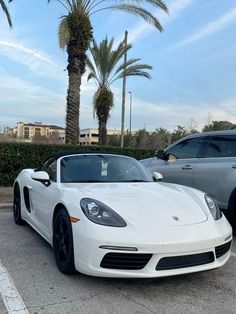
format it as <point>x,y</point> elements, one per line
<point>20,98</point>
<point>24,100</point>
<point>142,29</point>
<point>35,53</point>
<point>37,61</point>
<point>210,29</point>
<point>170,114</point>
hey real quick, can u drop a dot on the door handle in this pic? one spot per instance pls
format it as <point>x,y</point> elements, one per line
<point>234,166</point>
<point>187,167</point>
<point>29,187</point>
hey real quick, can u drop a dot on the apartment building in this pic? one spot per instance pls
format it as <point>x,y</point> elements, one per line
<point>27,131</point>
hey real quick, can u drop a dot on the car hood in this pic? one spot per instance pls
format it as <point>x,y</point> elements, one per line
<point>147,204</point>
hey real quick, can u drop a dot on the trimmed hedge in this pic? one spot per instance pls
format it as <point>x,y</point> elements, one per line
<point>17,156</point>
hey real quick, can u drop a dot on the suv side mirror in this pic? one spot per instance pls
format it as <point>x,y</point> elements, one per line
<point>160,154</point>
<point>41,176</point>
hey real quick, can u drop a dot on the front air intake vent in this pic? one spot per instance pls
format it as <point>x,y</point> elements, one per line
<point>175,262</point>
<point>222,249</point>
<point>126,261</point>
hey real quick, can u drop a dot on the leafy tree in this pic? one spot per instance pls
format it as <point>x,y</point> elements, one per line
<point>75,34</point>
<point>179,132</point>
<point>104,70</point>
<point>142,138</point>
<point>5,10</point>
<point>160,138</point>
<point>219,125</point>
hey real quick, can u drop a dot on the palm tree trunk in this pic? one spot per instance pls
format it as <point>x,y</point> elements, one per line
<point>102,131</point>
<point>76,68</point>
<point>73,109</point>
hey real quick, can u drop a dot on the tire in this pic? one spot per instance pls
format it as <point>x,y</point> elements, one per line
<point>63,242</point>
<point>17,206</point>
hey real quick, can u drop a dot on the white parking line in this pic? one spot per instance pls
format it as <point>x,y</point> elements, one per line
<point>233,254</point>
<point>10,294</point>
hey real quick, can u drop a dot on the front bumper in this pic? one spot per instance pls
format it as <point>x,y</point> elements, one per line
<point>162,243</point>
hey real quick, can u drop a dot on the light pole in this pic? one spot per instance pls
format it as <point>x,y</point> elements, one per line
<point>130,111</point>
<point>123,93</point>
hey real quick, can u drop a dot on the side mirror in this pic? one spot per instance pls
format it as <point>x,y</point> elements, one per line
<point>157,176</point>
<point>160,154</point>
<point>41,176</point>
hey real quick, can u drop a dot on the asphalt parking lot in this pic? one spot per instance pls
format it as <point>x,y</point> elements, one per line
<point>27,262</point>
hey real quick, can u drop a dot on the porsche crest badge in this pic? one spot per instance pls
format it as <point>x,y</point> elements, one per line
<point>175,218</point>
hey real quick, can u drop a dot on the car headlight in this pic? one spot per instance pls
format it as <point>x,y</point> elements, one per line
<point>100,213</point>
<point>214,209</point>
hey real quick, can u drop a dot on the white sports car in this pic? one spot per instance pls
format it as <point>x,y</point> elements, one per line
<point>104,215</point>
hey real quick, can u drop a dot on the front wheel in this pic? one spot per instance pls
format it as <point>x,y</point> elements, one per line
<point>63,242</point>
<point>17,206</point>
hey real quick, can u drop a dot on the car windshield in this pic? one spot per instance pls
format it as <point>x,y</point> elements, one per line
<point>102,168</point>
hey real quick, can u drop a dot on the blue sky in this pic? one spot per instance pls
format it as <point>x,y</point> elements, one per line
<point>194,60</point>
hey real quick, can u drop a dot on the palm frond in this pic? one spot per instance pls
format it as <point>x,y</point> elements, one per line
<point>139,11</point>
<point>91,75</point>
<point>63,33</point>
<point>103,63</point>
<point>132,70</point>
<point>156,3</point>
<point>128,63</point>
<point>5,10</point>
<point>90,66</point>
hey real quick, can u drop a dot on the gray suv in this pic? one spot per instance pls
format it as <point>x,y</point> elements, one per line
<point>205,161</point>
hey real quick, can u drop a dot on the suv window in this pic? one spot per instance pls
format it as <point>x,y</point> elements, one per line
<point>190,148</point>
<point>221,146</point>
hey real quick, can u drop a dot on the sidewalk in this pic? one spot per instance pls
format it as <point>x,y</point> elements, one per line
<point>6,196</point>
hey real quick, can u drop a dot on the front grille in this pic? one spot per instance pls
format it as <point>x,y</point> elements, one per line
<point>175,262</point>
<point>222,249</point>
<point>127,261</point>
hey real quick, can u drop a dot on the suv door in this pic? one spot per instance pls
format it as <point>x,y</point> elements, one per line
<point>215,173</point>
<point>181,162</point>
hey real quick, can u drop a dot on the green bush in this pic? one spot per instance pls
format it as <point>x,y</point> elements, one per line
<point>17,156</point>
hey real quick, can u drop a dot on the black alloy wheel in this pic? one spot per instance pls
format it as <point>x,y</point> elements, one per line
<point>17,206</point>
<point>63,242</point>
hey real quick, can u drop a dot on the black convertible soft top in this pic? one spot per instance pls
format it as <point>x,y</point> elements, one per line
<point>59,154</point>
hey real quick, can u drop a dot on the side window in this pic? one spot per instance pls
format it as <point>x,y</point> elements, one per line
<point>50,166</point>
<point>190,148</point>
<point>52,171</point>
<point>221,146</point>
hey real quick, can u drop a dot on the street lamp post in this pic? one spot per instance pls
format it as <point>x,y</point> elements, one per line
<point>123,93</point>
<point>130,112</point>
<point>130,118</point>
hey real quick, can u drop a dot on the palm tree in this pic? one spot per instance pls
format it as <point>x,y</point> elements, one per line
<point>104,70</point>
<point>75,34</point>
<point>5,10</point>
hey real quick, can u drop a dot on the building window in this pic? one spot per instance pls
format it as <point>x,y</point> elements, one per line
<point>37,131</point>
<point>26,134</point>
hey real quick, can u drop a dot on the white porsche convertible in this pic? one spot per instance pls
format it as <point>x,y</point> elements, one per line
<point>104,215</point>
